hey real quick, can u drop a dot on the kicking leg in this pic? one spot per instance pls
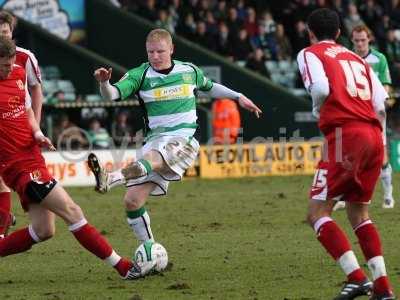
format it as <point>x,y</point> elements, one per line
<point>59,202</point>
<point>152,161</point>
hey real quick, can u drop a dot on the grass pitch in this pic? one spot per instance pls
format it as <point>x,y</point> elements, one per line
<point>227,239</point>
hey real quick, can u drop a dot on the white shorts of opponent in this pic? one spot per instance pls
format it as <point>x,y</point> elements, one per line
<point>178,152</point>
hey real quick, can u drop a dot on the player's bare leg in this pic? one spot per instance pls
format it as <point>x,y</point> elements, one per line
<point>386,178</point>
<point>41,228</point>
<point>42,222</point>
<point>371,247</point>
<point>137,216</point>
<point>152,161</point>
<point>7,219</point>
<point>60,203</point>
<point>336,243</point>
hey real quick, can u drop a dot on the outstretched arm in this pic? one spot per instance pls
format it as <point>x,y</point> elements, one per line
<point>107,91</point>
<point>37,101</point>
<point>221,91</point>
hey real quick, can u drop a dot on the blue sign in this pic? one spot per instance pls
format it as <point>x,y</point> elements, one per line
<point>64,18</point>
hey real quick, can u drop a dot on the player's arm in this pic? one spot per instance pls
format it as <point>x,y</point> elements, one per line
<point>34,85</point>
<point>379,96</point>
<point>127,85</point>
<point>314,79</point>
<point>216,90</point>
<point>37,101</point>
<point>220,91</point>
<point>384,74</point>
<point>36,132</point>
<point>107,91</point>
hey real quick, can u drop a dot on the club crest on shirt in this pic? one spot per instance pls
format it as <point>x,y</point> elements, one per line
<point>13,102</point>
<point>20,84</point>
<point>187,78</point>
<point>36,175</point>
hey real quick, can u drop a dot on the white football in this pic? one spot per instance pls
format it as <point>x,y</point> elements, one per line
<point>152,251</point>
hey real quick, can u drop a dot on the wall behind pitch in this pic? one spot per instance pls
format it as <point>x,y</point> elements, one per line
<point>120,36</point>
<point>75,62</point>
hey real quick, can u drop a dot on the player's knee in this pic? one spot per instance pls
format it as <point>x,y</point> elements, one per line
<point>311,218</point>
<point>133,202</point>
<point>73,213</point>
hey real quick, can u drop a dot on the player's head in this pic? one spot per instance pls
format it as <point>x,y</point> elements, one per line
<point>7,24</point>
<point>361,36</point>
<point>323,24</point>
<point>159,49</point>
<point>7,56</point>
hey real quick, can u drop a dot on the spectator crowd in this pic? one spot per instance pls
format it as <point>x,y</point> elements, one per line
<point>239,29</point>
<point>259,33</point>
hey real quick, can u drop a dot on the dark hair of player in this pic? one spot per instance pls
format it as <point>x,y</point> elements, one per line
<point>8,18</point>
<point>324,23</point>
<point>7,47</point>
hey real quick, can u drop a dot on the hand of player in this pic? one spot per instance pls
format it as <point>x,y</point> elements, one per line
<point>102,74</point>
<point>43,141</point>
<point>246,103</point>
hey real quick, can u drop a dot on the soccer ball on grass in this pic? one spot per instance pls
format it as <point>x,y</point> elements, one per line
<point>152,251</point>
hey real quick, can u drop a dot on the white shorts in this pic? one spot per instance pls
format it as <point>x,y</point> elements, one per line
<point>178,152</point>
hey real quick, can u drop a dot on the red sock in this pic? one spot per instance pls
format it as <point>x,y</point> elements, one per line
<point>5,208</point>
<point>93,241</point>
<point>336,243</point>
<point>333,239</point>
<point>16,242</point>
<point>123,266</point>
<point>370,243</point>
<point>357,276</point>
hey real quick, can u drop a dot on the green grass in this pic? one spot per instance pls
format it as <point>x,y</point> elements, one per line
<point>227,239</point>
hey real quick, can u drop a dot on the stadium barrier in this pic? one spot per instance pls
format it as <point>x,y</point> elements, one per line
<point>70,168</point>
<point>259,159</point>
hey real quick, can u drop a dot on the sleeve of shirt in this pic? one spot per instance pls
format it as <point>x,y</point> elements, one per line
<point>32,70</point>
<point>129,83</point>
<point>28,100</point>
<point>202,82</point>
<point>314,78</point>
<point>379,94</point>
<point>384,74</point>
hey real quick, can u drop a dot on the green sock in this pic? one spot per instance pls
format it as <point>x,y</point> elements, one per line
<point>139,221</point>
<point>146,164</point>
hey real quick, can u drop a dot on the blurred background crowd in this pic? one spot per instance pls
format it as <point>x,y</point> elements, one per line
<point>263,36</point>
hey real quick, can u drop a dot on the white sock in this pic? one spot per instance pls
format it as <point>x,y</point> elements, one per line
<point>348,262</point>
<point>141,227</point>
<point>377,267</point>
<point>386,178</point>
<point>116,178</point>
<point>113,259</point>
<point>33,234</point>
<point>78,225</point>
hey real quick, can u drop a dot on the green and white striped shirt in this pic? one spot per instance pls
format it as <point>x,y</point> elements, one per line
<point>169,99</point>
